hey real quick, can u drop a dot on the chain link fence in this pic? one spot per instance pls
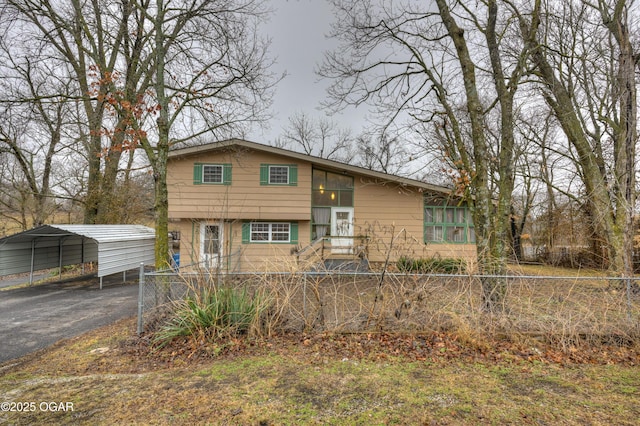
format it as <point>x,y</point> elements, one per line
<point>562,309</point>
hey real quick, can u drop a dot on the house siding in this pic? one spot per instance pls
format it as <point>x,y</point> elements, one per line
<point>238,256</point>
<point>245,197</point>
<point>384,210</point>
<point>390,215</point>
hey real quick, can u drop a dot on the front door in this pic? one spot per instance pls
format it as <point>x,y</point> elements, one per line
<point>342,230</point>
<point>211,247</point>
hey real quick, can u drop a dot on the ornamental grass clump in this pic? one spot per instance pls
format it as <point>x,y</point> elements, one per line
<point>213,312</point>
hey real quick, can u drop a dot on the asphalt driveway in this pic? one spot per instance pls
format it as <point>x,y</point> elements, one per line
<point>35,317</point>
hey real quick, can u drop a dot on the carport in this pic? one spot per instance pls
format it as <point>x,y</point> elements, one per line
<point>116,248</point>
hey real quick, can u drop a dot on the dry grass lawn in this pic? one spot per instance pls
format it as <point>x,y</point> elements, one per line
<point>110,377</point>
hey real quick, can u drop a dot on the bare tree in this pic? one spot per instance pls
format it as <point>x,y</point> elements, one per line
<point>616,17</point>
<point>151,75</point>
<point>588,80</point>
<point>434,75</point>
<point>383,153</point>
<point>86,38</point>
<point>538,166</point>
<point>207,75</point>
<point>34,115</point>
<point>323,138</point>
<point>318,137</point>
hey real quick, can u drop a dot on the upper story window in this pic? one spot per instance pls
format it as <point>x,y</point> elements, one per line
<point>216,174</point>
<point>279,174</point>
<point>212,173</point>
<point>332,189</point>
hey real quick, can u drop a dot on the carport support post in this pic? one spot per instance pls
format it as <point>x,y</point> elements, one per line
<point>33,249</point>
<point>140,298</point>
<point>60,258</point>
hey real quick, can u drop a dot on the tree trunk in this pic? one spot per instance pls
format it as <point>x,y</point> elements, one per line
<point>626,135</point>
<point>109,179</point>
<point>161,208</point>
<point>610,221</point>
<point>516,233</point>
<point>94,178</point>
<point>491,261</point>
<point>162,149</point>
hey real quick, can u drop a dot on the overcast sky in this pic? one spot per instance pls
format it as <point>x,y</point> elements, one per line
<point>298,30</point>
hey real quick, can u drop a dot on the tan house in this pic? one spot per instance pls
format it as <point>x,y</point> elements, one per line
<point>244,206</point>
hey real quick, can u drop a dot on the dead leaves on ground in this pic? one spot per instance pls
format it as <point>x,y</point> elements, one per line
<point>387,347</point>
<point>129,353</point>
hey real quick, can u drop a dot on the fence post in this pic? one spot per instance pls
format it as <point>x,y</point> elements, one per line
<point>629,305</point>
<point>140,298</point>
<point>304,296</point>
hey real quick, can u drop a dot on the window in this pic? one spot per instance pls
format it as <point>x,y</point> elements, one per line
<point>280,232</point>
<point>211,241</point>
<point>270,232</point>
<point>279,174</point>
<point>445,224</point>
<point>321,224</point>
<point>331,189</point>
<point>216,174</point>
<point>260,232</point>
<point>211,173</point>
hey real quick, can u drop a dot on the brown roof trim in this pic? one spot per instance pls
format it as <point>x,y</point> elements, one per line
<point>323,162</point>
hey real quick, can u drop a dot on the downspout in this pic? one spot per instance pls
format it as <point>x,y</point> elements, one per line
<point>193,236</point>
<point>230,239</point>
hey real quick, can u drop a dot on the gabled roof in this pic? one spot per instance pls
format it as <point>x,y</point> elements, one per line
<point>322,162</point>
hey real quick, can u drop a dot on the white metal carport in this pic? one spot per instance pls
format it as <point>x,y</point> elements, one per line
<point>116,248</point>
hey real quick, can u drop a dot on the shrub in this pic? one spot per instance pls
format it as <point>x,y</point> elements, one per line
<point>211,313</point>
<point>431,265</point>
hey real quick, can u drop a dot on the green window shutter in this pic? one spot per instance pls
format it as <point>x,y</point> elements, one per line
<point>293,175</point>
<point>264,174</point>
<point>246,232</point>
<point>197,173</point>
<point>226,174</point>
<point>293,232</point>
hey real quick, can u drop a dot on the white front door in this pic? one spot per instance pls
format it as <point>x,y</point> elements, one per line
<point>342,226</point>
<point>211,244</point>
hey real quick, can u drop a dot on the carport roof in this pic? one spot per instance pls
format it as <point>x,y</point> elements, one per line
<point>99,233</point>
